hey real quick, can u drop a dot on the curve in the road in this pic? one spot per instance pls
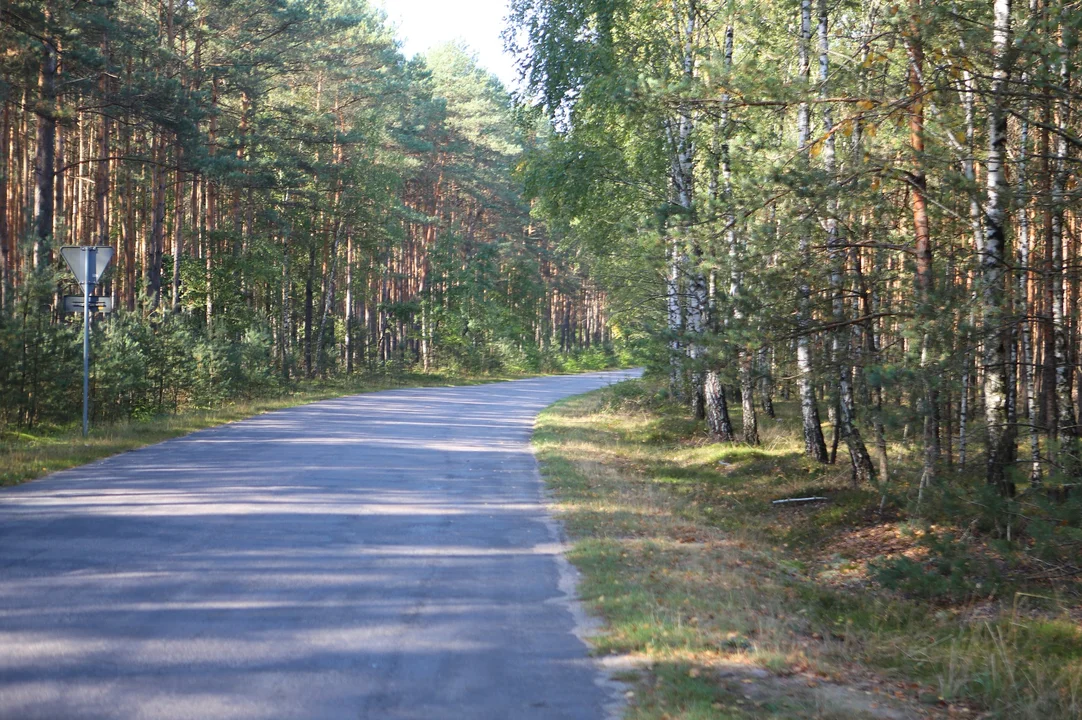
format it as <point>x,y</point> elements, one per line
<point>378,556</point>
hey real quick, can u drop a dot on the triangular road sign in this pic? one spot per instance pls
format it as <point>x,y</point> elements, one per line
<point>75,257</point>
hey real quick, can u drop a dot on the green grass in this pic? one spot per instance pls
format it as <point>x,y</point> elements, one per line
<point>25,455</point>
<point>702,580</point>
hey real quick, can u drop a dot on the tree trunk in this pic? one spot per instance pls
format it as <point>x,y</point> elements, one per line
<point>977,231</point>
<point>349,304</point>
<point>749,421</point>
<point>994,266</point>
<point>814,444</point>
<point>717,408</point>
<point>861,462</point>
<point>210,192</point>
<point>287,306</point>
<point>157,230</point>
<point>101,179</point>
<point>308,308</point>
<point>1027,368</point>
<point>6,254</point>
<point>178,229</point>
<point>922,244</point>
<point>1066,422</point>
<point>682,151</point>
<point>766,383</point>
<point>45,158</point>
<point>128,232</point>
<point>714,400</point>
<point>328,297</point>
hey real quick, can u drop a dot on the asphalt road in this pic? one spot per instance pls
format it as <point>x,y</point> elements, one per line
<point>378,556</point>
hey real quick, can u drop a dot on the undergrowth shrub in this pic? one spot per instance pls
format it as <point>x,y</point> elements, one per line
<point>949,572</point>
<point>140,366</point>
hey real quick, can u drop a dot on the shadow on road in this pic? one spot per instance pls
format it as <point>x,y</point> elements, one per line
<point>383,555</point>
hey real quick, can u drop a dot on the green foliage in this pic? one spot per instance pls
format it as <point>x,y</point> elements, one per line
<point>123,352</point>
<point>688,144</point>
<point>950,572</point>
<point>140,368</point>
<point>226,370</point>
<point>40,361</point>
<point>1053,520</point>
<point>291,158</point>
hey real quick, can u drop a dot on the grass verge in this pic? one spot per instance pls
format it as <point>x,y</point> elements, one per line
<point>25,455</point>
<point>734,608</point>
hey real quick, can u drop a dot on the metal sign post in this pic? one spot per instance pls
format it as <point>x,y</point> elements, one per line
<point>87,256</point>
<point>88,264</point>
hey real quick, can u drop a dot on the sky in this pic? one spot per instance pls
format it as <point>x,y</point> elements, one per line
<point>423,24</point>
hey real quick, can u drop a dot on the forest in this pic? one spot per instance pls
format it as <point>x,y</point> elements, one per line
<point>866,206</point>
<point>842,236</point>
<point>851,229</point>
<point>287,195</point>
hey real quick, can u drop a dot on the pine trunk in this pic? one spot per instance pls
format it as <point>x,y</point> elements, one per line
<point>45,157</point>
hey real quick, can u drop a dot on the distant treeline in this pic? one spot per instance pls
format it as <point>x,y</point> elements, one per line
<point>287,196</point>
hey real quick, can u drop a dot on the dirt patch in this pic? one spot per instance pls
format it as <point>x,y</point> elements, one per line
<point>865,698</point>
<point>885,540</point>
<point>749,691</point>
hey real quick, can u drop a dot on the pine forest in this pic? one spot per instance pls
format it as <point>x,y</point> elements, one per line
<point>287,196</point>
<point>843,238</point>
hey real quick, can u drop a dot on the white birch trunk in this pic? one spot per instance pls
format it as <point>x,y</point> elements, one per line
<point>977,231</point>
<point>862,468</point>
<point>814,444</point>
<point>682,154</point>
<point>1066,423</point>
<point>1027,368</point>
<point>717,408</point>
<point>683,182</point>
<point>675,319</point>
<point>994,266</point>
<point>766,389</point>
<point>716,405</point>
<point>749,419</point>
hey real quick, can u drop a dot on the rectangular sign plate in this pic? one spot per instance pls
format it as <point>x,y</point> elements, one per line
<point>74,304</point>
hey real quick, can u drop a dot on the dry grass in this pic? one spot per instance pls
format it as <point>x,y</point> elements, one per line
<point>735,608</point>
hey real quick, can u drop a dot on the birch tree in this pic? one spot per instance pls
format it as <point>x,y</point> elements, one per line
<point>814,444</point>
<point>1001,442</point>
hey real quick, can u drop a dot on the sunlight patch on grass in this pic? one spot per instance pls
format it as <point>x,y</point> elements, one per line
<point>695,572</point>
